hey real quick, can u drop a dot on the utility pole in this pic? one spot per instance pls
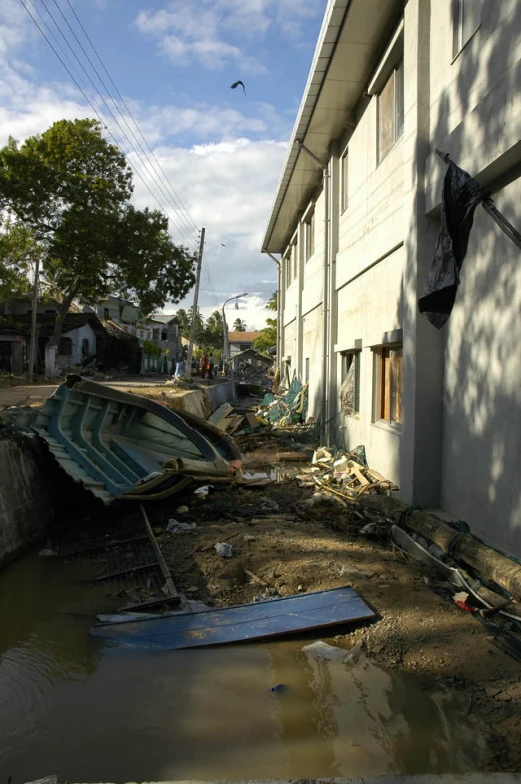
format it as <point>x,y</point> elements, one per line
<point>194,307</point>
<point>32,340</point>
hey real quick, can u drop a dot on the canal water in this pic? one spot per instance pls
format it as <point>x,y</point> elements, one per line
<point>73,706</point>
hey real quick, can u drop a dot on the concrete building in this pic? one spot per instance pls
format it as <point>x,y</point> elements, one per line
<point>355,221</point>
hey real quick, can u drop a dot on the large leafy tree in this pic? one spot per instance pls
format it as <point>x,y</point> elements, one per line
<point>71,188</point>
<point>239,325</point>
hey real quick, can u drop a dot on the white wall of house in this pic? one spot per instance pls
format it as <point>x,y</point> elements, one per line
<point>77,336</point>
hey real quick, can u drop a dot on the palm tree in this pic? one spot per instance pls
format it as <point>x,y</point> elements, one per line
<point>239,325</point>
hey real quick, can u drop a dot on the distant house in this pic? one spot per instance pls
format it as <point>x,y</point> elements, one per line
<point>158,335</point>
<point>79,340</point>
<point>240,341</point>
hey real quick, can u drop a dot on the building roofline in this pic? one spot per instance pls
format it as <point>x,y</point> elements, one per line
<point>332,24</point>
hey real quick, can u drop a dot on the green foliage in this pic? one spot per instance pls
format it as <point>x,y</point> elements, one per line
<point>239,325</point>
<point>272,302</point>
<point>151,349</point>
<point>70,188</point>
<point>267,337</point>
<point>213,330</point>
<point>18,251</point>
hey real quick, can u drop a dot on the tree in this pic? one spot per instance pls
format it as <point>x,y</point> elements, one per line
<point>213,330</point>
<point>268,336</point>
<point>18,251</point>
<point>239,325</point>
<point>185,318</point>
<point>272,302</point>
<point>71,189</point>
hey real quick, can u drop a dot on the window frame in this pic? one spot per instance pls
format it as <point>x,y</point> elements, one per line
<point>397,131</point>
<point>344,180</point>
<point>349,357</point>
<point>387,408</point>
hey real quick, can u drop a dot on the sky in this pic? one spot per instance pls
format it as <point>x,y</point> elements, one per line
<point>206,154</point>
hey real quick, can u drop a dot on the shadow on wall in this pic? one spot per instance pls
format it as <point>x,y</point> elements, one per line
<point>482,379</point>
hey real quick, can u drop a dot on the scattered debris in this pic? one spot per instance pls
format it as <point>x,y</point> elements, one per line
<point>203,491</point>
<point>347,474</point>
<point>280,687</point>
<point>224,549</point>
<point>47,552</point>
<point>175,527</point>
<point>182,509</point>
<point>322,650</point>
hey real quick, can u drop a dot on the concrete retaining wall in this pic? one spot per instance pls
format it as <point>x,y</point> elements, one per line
<point>25,504</point>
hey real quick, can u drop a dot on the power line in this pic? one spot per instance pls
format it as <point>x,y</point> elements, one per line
<point>176,195</point>
<point>179,207</point>
<point>110,112</point>
<point>102,120</point>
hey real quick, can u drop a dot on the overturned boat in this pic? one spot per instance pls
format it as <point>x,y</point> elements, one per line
<point>121,445</point>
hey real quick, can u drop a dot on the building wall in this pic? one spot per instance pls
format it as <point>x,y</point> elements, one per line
<point>459,440</point>
<point>77,336</point>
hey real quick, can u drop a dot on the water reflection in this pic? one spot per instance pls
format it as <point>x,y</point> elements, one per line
<point>91,713</point>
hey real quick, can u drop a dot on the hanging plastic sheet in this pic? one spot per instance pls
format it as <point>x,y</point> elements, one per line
<point>460,196</point>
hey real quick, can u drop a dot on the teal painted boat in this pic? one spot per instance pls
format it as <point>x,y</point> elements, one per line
<point>121,445</point>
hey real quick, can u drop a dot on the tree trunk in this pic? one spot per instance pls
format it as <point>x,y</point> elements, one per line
<point>63,309</point>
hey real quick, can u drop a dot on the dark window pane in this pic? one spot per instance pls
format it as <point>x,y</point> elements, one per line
<point>345,170</point>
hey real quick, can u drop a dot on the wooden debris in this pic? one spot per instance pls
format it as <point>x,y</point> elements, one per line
<point>219,415</point>
<point>293,457</point>
<point>256,578</point>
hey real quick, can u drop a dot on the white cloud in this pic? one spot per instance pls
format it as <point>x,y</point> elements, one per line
<point>212,32</point>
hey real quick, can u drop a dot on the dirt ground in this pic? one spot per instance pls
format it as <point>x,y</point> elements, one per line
<point>292,547</point>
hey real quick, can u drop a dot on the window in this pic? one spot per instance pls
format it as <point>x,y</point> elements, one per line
<point>309,235</point>
<point>388,371</point>
<point>344,165</point>
<point>466,18</point>
<point>294,257</point>
<point>65,347</point>
<point>106,314</point>
<point>164,335</point>
<point>85,347</point>
<point>287,268</point>
<point>155,334</point>
<point>390,111</point>
<point>350,389</point>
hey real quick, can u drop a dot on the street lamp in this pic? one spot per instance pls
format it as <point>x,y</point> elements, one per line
<point>226,342</point>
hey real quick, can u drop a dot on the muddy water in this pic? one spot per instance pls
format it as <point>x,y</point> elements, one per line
<point>72,706</point>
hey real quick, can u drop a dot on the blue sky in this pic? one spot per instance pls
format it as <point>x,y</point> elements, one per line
<point>173,63</point>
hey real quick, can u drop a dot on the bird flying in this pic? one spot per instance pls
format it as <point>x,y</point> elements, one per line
<point>236,84</point>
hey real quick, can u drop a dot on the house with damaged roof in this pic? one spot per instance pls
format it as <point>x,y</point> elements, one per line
<point>353,230</point>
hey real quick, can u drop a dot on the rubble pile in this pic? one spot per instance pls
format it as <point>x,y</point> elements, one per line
<point>347,473</point>
<point>288,408</point>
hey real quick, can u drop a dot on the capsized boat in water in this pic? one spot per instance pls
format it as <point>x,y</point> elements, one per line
<point>121,445</point>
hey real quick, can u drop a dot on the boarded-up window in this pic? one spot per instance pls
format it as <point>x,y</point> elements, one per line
<point>390,111</point>
<point>388,383</point>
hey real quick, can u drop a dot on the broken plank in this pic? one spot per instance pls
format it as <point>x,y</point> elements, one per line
<point>287,615</point>
<point>169,583</point>
<point>256,578</point>
<point>236,422</point>
<point>220,414</point>
<point>252,420</point>
<point>359,475</point>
